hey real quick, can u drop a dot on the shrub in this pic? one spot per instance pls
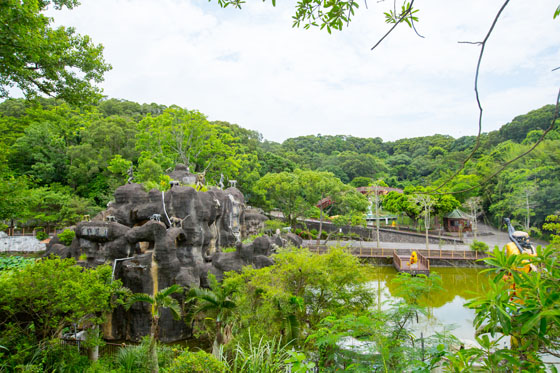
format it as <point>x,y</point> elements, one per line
<point>67,236</point>
<point>479,246</point>
<point>270,226</point>
<point>137,359</point>
<point>305,235</point>
<point>229,250</point>
<point>196,362</point>
<point>63,358</point>
<point>41,235</point>
<point>266,356</point>
<point>251,238</point>
<point>131,359</point>
<point>535,232</point>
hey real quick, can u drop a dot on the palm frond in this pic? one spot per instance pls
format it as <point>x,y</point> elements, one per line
<point>229,304</point>
<point>170,290</point>
<point>138,297</point>
<point>202,294</point>
<point>175,310</point>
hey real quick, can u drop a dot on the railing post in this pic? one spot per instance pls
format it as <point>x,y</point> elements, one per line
<point>476,254</point>
<point>464,254</point>
<point>360,250</point>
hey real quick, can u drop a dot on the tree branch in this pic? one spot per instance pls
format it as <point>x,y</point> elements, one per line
<point>480,110</point>
<point>405,14</point>
<point>504,165</point>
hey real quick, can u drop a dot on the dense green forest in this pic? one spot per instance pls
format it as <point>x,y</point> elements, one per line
<point>61,162</point>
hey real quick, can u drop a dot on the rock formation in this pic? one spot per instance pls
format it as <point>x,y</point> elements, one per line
<point>156,239</point>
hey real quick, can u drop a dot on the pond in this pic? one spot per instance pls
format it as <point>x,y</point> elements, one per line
<point>446,307</point>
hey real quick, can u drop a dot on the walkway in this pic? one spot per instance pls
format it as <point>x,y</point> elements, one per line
<point>386,253</point>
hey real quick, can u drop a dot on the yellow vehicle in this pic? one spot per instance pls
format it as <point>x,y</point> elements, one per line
<point>520,244</point>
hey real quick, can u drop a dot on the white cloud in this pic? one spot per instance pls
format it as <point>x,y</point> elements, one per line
<point>250,67</point>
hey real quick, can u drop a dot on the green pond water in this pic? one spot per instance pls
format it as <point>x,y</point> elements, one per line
<point>446,307</point>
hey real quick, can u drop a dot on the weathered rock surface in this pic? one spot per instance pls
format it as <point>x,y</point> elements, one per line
<point>157,239</point>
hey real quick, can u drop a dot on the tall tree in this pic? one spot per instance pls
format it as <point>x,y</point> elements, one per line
<point>282,191</point>
<point>39,59</point>
<point>474,204</point>
<point>185,136</point>
<point>318,186</point>
<point>426,203</point>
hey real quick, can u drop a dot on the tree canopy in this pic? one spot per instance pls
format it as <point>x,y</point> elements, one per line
<point>39,59</point>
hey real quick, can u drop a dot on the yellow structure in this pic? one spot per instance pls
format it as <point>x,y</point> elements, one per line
<point>413,258</point>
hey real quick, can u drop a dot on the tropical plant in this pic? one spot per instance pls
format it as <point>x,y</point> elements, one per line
<point>522,306</point>
<point>266,356</point>
<point>217,304</point>
<point>162,299</point>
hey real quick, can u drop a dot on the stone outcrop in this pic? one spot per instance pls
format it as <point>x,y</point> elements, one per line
<point>155,239</point>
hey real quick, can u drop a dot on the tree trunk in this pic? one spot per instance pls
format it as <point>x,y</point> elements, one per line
<point>320,226</point>
<point>377,215</point>
<point>93,352</point>
<point>427,226</point>
<point>528,220</point>
<point>217,340</point>
<point>152,349</point>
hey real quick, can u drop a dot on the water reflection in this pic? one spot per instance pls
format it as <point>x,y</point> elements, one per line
<point>445,307</point>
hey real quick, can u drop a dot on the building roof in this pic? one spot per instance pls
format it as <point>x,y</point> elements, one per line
<point>458,214</point>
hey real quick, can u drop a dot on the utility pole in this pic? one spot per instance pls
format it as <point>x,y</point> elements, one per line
<point>426,203</point>
<point>377,202</point>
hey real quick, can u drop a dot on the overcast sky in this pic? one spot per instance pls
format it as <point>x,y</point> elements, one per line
<point>252,68</point>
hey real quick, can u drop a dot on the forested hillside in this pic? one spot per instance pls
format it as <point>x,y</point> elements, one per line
<point>60,162</point>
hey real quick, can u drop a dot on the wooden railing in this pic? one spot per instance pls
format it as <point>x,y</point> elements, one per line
<point>397,259</point>
<point>423,261</point>
<point>30,231</point>
<point>372,252</point>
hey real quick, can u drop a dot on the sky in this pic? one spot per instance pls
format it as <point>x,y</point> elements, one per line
<point>250,67</point>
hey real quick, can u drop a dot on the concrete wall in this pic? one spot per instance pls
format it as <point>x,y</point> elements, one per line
<point>20,244</point>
